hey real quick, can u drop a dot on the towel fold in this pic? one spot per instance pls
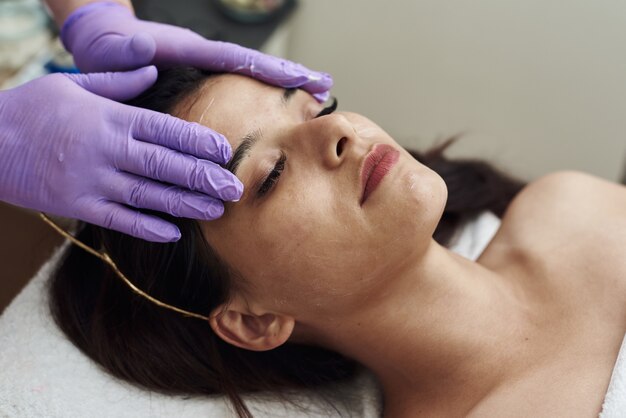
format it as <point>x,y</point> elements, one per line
<point>614,405</point>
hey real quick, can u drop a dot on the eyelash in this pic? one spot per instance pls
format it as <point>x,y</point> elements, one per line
<point>328,109</point>
<point>272,178</point>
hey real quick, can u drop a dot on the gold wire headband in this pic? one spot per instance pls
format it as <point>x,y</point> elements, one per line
<point>105,257</point>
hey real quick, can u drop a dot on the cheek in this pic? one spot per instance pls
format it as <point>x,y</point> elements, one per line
<point>277,246</point>
<point>329,258</point>
<point>311,245</point>
<point>296,233</point>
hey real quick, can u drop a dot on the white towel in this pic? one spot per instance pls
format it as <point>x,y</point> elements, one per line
<point>472,238</point>
<point>43,375</point>
<point>614,405</point>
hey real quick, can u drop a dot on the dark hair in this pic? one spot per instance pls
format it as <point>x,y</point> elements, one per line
<point>161,350</point>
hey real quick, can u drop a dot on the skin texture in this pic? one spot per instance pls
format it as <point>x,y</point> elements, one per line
<point>444,335</point>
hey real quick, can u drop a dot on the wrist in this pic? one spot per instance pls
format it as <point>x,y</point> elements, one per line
<point>87,9</point>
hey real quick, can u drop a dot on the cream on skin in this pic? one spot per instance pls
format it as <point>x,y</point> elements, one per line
<point>313,265</point>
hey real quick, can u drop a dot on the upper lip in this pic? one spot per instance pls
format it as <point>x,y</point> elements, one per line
<point>369,163</point>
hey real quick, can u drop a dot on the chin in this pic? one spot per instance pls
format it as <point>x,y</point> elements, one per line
<point>423,196</point>
<point>424,186</point>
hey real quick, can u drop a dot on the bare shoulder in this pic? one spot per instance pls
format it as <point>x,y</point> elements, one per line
<point>566,234</point>
<point>588,190</point>
<point>566,207</point>
<point>564,196</point>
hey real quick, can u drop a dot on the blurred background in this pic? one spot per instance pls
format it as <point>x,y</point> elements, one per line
<point>535,86</point>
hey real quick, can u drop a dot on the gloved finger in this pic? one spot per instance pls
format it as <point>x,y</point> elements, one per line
<point>227,57</point>
<point>322,97</point>
<point>159,163</point>
<point>140,225</point>
<point>117,86</point>
<point>120,53</point>
<point>142,193</point>
<point>188,137</point>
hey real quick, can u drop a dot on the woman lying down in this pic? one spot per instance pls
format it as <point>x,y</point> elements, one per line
<point>335,257</point>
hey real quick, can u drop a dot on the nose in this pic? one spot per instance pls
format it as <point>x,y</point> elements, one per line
<point>333,136</point>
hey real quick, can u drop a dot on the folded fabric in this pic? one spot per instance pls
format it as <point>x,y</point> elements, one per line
<point>614,405</point>
<point>43,375</point>
<point>473,236</point>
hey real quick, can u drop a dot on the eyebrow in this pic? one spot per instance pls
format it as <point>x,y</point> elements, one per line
<point>251,138</point>
<point>243,150</point>
<point>288,94</point>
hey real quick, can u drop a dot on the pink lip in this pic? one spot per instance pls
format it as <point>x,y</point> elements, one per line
<point>377,163</point>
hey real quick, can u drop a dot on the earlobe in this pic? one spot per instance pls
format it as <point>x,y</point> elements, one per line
<point>245,329</point>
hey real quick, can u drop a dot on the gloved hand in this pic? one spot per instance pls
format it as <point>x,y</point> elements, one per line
<point>67,148</point>
<point>105,36</point>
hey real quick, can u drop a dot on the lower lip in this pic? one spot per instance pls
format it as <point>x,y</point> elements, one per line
<point>380,168</point>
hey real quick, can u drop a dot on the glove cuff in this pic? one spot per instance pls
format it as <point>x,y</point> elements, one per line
<point>81,12</point>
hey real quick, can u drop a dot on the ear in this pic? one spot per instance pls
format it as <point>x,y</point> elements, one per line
<point>238,325</point>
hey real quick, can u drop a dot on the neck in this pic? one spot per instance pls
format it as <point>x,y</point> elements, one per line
<point>444,333</point>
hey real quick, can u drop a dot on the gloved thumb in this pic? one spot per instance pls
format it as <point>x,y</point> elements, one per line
<point>119,86</point>
<point>125,52</point>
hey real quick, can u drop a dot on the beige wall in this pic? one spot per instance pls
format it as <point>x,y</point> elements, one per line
<point>538,85</point>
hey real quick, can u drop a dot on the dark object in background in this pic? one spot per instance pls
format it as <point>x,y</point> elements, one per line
<point>208,19</point>
<point>253,11</point>
<point>25,243</point>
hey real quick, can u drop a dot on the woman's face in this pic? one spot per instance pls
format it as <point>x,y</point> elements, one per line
<point>308,245</point>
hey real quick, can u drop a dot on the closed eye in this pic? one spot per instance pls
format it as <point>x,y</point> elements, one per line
<point>328,109</point>
<point>272,178</point>
<point>274,175</point>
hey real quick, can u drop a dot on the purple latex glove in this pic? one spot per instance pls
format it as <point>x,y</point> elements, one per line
<point>105,36</point>
<point>67,148</point>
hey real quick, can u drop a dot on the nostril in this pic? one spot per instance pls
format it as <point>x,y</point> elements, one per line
<point>340,145</point>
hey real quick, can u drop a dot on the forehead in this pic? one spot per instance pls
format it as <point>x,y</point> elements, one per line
<point>232,105</point>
